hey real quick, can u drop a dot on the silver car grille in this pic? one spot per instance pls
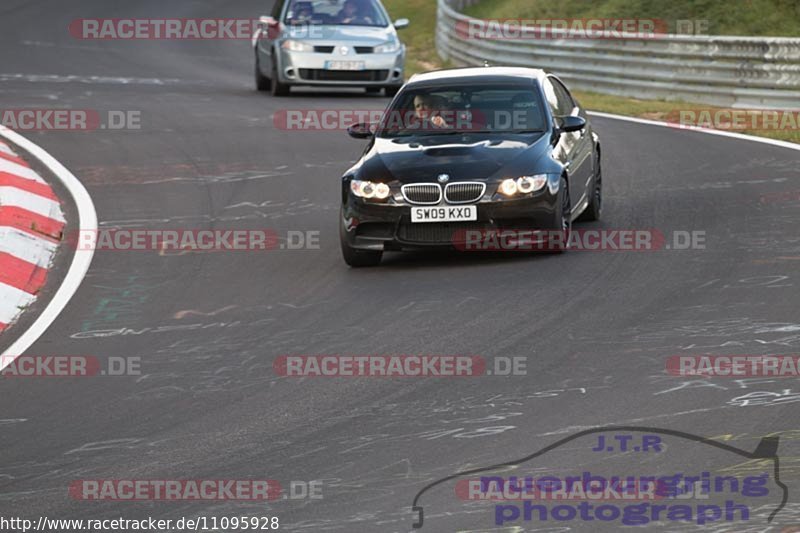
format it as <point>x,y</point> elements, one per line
<point>464,192</point>
<point>422,193</point>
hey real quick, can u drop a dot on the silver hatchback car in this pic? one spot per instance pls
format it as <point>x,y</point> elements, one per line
<point>343,43</point>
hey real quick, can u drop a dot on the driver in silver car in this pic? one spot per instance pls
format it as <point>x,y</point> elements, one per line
<point>353,12</point>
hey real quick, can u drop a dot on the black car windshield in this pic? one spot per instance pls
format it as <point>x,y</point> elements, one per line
<point>336,12</point>
<point>474,109</point>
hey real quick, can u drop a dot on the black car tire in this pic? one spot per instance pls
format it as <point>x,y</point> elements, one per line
<point>562,219</point>
<point>373,90</point>
<point>263,83</point>
<point>392,90</point>
<point>595,207</point>
<point>278,88</point>
<point>357,258</point>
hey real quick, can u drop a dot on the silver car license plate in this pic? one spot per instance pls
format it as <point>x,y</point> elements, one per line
<point>344,65</point>
<point>465,213</point>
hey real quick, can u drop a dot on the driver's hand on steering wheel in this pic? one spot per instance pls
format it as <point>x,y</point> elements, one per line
<point>352,20</point>
<point>439,122</point>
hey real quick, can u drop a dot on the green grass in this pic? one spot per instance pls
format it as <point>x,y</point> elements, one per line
<point>422,56</point>
<point>419,36</point>
<point>779,18</point>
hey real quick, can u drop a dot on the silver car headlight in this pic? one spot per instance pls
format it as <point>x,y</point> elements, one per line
<point>296,46</point>
<point>387,48</point>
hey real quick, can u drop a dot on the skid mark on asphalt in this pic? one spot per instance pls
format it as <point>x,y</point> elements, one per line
<point>114,444</point>
<point>180,315</point>
<point>125,331</point>
<point>108,80</point>
<point>225,178</point>
<point>177,173</point>
<point>125,301</point>
<point>199,219</point>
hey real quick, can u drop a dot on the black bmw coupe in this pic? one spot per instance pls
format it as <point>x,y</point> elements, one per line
<point>465,152</point>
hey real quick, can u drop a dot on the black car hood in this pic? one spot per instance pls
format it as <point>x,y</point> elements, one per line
<point>463,157</point>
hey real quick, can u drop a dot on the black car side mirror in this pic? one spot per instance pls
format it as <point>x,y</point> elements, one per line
<point>570,123</point>
<point>362,130</point>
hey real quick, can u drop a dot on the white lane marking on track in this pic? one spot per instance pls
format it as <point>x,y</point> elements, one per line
<point>19,170</point>
<point>54,78</point>
<point>5,149</point>
<point>80,261</point>
<point>732,135</point>
<point>13,197</point>
<point>25,246</point>
<point>17,298</point>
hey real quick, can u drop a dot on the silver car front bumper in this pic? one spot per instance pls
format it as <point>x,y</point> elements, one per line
<point>309,68</point>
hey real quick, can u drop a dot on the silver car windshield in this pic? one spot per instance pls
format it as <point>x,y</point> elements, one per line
<point>336,12</point>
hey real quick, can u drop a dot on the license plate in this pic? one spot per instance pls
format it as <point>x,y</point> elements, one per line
<point>344,65</point>
<point>444,214</point>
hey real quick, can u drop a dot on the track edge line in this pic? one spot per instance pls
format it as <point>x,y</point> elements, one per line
<point>729,134</point>
<point>81,261</point>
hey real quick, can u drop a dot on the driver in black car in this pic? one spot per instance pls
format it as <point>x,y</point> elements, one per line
<point>429,108</point>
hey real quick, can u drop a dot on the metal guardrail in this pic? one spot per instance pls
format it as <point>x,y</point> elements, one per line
<point>740,72</point>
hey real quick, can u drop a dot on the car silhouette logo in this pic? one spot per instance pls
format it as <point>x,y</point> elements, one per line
<point>344,50</point>
<point>443,178</point>
<point>765,452</point>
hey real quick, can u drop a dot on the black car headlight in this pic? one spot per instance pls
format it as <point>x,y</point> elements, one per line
<point>370,190</point>
<point>522,185</point>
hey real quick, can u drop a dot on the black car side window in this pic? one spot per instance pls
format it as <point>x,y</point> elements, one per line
<point>550,96</point>
<point>565,102</point>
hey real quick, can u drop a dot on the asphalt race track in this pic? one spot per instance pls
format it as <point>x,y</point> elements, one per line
<point>595,327</point>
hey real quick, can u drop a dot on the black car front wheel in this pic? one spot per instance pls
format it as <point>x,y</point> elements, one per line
<point>562,220</point>
<point>595,207</point>
<point>357,258</point>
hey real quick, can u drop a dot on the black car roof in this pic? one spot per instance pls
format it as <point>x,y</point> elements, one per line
<point>477,75</point>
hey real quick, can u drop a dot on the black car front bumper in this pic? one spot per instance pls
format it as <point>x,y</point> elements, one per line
<point>373,226</point>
